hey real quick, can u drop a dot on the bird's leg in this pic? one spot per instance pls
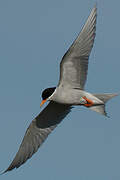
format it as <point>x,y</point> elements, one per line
<point>89,102</point>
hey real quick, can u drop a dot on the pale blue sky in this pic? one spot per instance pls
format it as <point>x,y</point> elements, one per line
<point>34,35</point>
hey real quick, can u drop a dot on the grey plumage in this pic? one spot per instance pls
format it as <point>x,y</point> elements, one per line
<point>74,64</point>
<point>106,96</point>
<point>38,131</point>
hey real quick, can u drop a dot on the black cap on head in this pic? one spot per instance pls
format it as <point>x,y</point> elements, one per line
<point>48,92</point>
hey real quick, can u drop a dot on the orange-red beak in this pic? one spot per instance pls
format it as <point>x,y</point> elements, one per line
<point>43,101</point>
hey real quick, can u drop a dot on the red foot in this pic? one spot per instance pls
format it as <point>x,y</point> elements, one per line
<point>89,102</point>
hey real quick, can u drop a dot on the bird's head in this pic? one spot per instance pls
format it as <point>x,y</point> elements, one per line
<point>46,94</point>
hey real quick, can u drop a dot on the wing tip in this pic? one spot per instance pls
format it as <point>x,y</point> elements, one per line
<point>8,169</point>
<point>94,10</point>
<point>2,173</point>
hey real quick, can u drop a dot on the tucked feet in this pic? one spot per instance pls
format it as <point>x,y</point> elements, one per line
<point>89,102</point>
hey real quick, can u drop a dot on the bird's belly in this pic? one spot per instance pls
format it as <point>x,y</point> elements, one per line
<point>74,97</point>
<point>67,96</point>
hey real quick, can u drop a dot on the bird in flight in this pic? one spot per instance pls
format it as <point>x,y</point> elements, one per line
<point>68,93</point>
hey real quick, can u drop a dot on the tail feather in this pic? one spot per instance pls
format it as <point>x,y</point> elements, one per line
<point>106,96</point>
<point>103,97</point>
<point>100,109</point>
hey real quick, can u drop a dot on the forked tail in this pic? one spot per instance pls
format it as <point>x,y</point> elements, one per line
<point>103,97</point>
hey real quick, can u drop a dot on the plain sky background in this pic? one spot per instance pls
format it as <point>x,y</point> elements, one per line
<point>34,35</point>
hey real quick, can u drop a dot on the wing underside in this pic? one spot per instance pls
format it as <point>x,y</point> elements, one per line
<point>38,131</point>
<point>74,64</point>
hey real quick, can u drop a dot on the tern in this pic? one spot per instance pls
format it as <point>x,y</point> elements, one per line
<point>68,93</point>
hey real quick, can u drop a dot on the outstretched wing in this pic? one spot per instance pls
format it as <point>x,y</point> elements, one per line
<point>38,131</point>
<point>74,64</point>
